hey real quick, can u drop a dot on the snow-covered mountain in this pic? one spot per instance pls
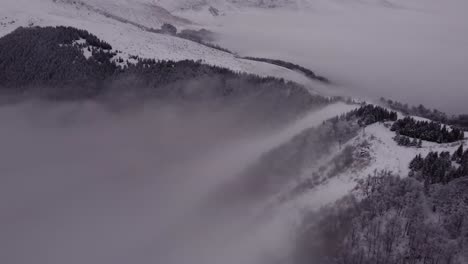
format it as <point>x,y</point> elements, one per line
<point>130,160</point>
<point>227,5</point>
<point>232,5</point>
<point>141,12</point>
<point>194,8</point>
<point>127,25</point>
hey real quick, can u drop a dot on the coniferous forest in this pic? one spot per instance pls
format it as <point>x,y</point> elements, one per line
<point>427,130</point>
<point>48,62</point>
<point>440,167</point>
<point>369,114</point>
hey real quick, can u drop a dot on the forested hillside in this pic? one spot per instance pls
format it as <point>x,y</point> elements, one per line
<point>397,219</point>
<point>64,63</point>
<point>37,57</point>
<point>391,220</point>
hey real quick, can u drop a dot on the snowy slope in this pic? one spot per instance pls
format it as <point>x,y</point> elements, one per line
<point>232,5</point>
<point>142,12</point>
<point>190,7</point>
<point>374,150</point>
<point>128,36</point>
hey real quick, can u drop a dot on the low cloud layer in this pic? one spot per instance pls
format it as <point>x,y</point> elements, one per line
<point>86,182</point>
<point>413,51</point>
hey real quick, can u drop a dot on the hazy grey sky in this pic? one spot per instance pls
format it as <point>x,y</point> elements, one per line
<point>415,51</point>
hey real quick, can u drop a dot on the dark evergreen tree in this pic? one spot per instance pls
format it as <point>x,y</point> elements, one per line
<point>168,29</point>
<point>458,154</point>
<point>417,163</point>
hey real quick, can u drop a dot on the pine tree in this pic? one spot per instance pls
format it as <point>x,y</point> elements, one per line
<point>464,158</point>
<point>457,155</point>
<point>417,163</point>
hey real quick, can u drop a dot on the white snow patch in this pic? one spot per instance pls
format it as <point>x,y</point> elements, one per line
<point>87,53</point>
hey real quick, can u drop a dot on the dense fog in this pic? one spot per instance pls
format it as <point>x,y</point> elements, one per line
<point>92,182</point>
<point>411,51</point>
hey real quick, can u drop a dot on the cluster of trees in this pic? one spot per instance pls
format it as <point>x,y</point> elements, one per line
<point>390,220</point>
<point>47,57</point>
<point>213,11</point>
<point>370,114</point>
<point>168,29</point>
<point>422,111</point>
<point>439,168</point>
<point>291,66</point>
<point>407,142</point>
<point>427,130</point>
<point>201,36</point>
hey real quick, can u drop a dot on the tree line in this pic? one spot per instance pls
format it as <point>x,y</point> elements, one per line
<point>48,62</point>
<point>440,167</point>
<point>291,66</point>
<point>407,142</point>
<point>460,121</point>
<point>389,220</point>
<point>369,114</point>
<point>201,36</point>
<point>427,130</point>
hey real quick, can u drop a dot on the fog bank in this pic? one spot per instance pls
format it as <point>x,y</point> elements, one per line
<point>412,51</point>
<point>88,183</point>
